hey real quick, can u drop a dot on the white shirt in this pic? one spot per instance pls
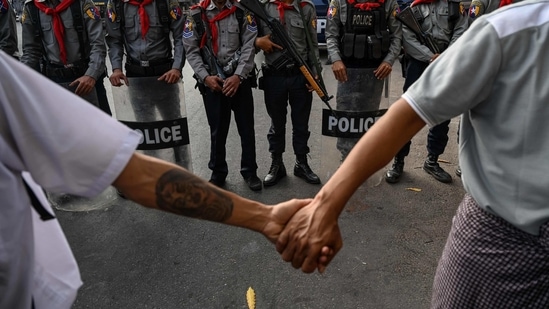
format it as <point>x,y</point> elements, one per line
<point>497,75</point>
<point>66,144</point>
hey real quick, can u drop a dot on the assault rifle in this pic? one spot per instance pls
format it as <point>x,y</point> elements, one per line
<point>281,36</point>
<point>407,18</point>
<point>215,68</point>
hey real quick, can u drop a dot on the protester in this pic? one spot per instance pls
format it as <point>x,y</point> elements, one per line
<point>496,255</point>
<point>72,147</point>
<point>219,40</point>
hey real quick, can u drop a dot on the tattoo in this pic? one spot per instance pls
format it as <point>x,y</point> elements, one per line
<point>182,193</point>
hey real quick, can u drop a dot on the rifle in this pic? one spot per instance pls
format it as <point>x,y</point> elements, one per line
<point>215,68</point>
<point>407,18</point>
<point>290,50</point>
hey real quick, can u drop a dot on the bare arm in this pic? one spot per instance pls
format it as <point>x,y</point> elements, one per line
<point>158,184</point>
<point>315,226</point>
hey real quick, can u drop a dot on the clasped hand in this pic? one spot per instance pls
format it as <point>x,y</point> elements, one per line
<point>310,239</point>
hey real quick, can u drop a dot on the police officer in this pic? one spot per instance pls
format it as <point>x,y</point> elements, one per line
<point>445,22</point>
<point>8,29</point>
<point>284,83</point>
<point>140,30</point>
<point>219,41</point>
<point>363,40</point>
<point>65,41</point>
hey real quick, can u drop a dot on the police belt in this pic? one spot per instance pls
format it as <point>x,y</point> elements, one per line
<point>287,72</point>
<point>73,70</point>
<point>135,68</point>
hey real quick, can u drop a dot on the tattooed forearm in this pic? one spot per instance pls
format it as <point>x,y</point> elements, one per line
<point>182,193</point>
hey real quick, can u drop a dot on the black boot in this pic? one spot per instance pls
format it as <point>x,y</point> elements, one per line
<point>302,170</point>
<point>276,172</point>
<point>431,167</point>
<point>393,175</point>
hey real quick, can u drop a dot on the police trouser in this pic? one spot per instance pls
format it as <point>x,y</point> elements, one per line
<point>218,111</point>
<point>280,88</point>
<point>437,138</point>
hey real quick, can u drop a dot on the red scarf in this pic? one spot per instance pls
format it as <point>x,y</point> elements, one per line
<point>143,16</point>
<point>366,6</point>
<point>58,28</point>
<point>416,2</point>
<point>212,23</point>
<point>282,6</point>
<point>505,2</point>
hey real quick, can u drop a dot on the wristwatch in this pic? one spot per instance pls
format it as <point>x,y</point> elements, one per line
<point>241,78</point>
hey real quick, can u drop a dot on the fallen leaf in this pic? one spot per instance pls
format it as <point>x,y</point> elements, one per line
<point>443,161</point>
<point>414,189</point>
<point>250,297</point>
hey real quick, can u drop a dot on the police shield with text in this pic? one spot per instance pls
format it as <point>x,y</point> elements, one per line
<point>363,41</point>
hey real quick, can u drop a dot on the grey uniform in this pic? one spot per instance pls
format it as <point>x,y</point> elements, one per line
<point>436,23</point>
<point>363,90</point>
<point>233,36</point>
<point>230,38</point>
<point>8,34</point>
<point>296,30</point>
<point>125,35</point>
<point>481,7</point>
<point>46,48</point>
<point>337,21</point>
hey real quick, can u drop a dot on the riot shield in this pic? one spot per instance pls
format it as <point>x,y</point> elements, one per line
<point>69,202</point>
<point>157,111</point>
<point>358,102</point>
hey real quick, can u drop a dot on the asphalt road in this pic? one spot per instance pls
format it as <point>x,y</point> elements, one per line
<point>132,257</point>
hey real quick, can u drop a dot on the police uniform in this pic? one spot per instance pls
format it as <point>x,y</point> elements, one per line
<point>481,7</point>
<point>235,54</point>
<point>283,84</point>
<point>84,55</point>
<point>445,29</point>
<point>149,54</point>
<point>8,34</point>
<point>362,35</point>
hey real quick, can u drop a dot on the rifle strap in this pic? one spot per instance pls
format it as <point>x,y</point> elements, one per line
<point>78,20</point>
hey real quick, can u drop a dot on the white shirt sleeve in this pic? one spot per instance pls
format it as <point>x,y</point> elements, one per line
<point>67,144</point>
<point>460,78</point>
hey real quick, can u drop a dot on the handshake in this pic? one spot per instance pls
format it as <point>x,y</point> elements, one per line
<point>305,233</point>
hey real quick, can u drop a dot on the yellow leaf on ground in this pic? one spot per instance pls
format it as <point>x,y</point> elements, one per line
<point>250,297</point>
<point>414,189</point>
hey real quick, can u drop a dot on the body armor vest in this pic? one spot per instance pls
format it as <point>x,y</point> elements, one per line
<point>365,38</point>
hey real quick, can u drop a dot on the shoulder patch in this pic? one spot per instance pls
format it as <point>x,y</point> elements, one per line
<point>111,13</point>
<point>93,13</point>
<point>175,10</point>
<point>474,9</point>
<point>91,10</point>
<point>251,24</point>
<point>332,10</point>
<point>188,29</point>
<point>4,6</point>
